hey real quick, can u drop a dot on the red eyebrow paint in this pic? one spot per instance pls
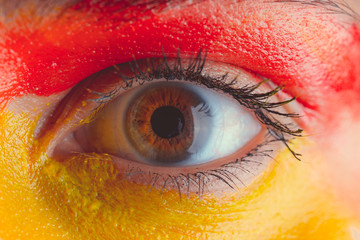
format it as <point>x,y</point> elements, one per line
<point>297,54</point>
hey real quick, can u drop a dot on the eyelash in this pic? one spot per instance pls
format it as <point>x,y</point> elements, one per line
<point>245,95</point>
<point>200,179</point>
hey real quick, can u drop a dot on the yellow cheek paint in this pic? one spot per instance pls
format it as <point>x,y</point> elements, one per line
<point>23,212</point>
<point>84,198</point>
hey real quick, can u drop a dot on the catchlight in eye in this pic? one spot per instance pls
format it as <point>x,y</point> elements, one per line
<point>170,124</point>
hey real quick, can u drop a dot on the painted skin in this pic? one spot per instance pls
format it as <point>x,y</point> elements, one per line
<point>315,55</point>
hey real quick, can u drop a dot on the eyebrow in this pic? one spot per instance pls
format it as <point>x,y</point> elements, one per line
<point>43,8</point>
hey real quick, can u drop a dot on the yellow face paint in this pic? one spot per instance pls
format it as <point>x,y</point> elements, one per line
<point>84,198</point>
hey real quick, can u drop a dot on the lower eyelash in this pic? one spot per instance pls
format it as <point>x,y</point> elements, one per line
<point>200,179</point>
<point>264,111</point>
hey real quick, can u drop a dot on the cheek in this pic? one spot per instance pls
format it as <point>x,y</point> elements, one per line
<point>83,197</point>
<point>23,212</point>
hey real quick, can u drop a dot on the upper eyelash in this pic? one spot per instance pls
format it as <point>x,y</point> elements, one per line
<point>245,95</point>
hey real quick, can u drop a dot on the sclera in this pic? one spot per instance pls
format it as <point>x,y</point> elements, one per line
<point>223,131</point>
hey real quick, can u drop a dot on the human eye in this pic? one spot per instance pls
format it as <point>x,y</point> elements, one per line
<point>65,67</point>
<point>186,124</point>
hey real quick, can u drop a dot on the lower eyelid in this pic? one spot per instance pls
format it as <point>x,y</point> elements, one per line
<point>219,178</point>
<point>242,168</point>
<point>123,163</point>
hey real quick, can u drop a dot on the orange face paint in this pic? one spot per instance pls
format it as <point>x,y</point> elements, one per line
<point>84,198</point>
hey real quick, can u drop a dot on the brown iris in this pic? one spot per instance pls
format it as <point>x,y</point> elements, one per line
<point>160,124</point>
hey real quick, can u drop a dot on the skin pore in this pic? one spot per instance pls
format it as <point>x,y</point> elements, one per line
<point>313,50</point>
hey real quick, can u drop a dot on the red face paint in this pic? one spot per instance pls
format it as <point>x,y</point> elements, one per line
<point>291,48</point>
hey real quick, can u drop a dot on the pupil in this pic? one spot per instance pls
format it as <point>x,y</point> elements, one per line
<point>167,122</point>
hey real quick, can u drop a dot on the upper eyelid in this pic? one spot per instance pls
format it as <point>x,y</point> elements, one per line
<point>73,77</point>
<point>193,72</point>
